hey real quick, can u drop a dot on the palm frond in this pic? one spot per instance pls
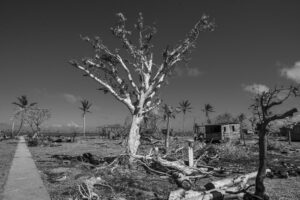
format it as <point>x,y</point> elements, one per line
<point>85,106</point>
<point>185,106</point>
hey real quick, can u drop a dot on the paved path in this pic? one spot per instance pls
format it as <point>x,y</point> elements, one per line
<point>24,181</point>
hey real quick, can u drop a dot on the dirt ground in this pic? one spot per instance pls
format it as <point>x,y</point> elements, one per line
<point>134,184</point>
<point>7,151</point>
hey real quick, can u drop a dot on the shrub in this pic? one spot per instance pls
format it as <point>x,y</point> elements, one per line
<point>32,142</point>
<point>275,145</point>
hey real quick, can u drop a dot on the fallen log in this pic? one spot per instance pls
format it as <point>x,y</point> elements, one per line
<point>243,179</point>
<point>177,165</point>
<point>216,194</point>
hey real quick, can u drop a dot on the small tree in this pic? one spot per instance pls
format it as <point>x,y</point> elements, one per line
<point>225,118</point>
<point>207,110</point>
<point>168,113</point>
<point>135,79</point>
<point>184,107</point>
<point>36,117</point>
<point>289,125</point>
<point>85,108</point>
<point>23,106</point>
<point>151,120</point>
<point>262,107</point>
<point>253,121</point>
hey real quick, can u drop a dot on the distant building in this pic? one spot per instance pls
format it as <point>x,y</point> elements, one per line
<point>295,132</point>
<point>217,132</point>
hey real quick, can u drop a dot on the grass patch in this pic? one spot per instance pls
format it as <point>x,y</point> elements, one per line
<point>274,145</point>
<point>232,152</point>
<point>7,152</point>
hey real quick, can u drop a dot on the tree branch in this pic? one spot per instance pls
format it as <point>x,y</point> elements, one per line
<point>129,76</point>
<point>148,109</point>
<point>126,101</point>
<point>275,103</point>
<point>282,116</point>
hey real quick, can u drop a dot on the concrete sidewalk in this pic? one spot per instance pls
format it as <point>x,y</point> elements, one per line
<point>24,181</point>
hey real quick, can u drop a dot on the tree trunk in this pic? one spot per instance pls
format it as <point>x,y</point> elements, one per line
<point>242,136</point>
<point>12,129</point>
<point>229,182</point>
<point>182,194</point>
<point>20,127</point>
<point>84,127</point>
<point>134,134</point>
<point>289,135</point>
<point>168,134</point>
<point>183,119</point>
<point>259,184</point>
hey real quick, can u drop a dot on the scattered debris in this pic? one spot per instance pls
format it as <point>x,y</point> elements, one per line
<point>283,170</point>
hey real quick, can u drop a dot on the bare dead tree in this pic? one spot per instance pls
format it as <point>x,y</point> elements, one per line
<point>36,117</point>
<point>132,76</point>
<point>262,108</point>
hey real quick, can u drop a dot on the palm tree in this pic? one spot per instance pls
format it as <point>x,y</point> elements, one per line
<point>184,106</point>
<point>241,118</point>
<point>168,113</point>
<point>23,106</point>
<point>208,109</point>
<point>85,106</point>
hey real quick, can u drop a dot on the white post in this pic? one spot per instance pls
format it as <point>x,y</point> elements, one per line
<point>191,152</point>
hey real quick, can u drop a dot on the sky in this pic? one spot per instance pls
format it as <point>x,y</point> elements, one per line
<point>254,43</point>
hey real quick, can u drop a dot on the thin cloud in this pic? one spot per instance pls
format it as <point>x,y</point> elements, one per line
<point>73,124</point>
<point>292,73</point>
<point>178,71</point>
<point>56,125</point>
<point>96,108</point>
<point>190,71</point>
<point>256,88</point>
<point>71,98</point>
<point>193,72</point>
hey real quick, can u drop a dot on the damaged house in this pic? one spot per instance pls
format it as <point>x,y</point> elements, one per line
<point>217,132</point>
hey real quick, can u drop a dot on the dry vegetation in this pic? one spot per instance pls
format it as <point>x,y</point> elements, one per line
<point>124,182</point>
<point>7,151</point>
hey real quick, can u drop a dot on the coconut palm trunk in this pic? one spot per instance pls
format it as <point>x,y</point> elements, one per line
<point>84,126</point>
<point>20,126</point>
<point>207,118</point>
<point>12,129</point>
<point>184,107</point>
<point>183,120</point>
